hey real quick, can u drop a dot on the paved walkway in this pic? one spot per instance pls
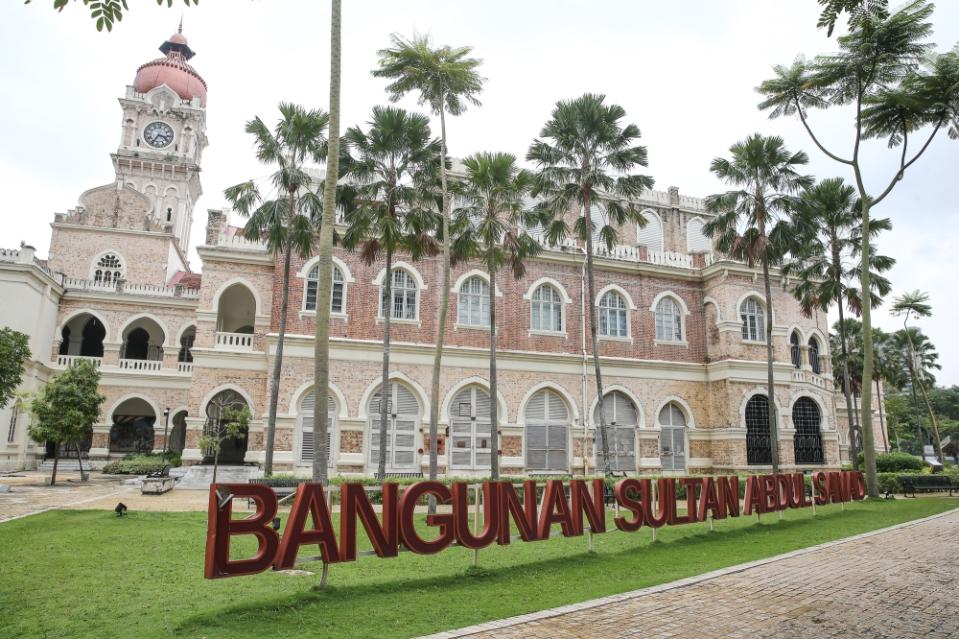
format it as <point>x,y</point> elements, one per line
<point>895,584</point>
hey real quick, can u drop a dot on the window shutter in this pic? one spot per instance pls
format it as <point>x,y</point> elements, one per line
<point>696,240</point>
<point>651,235</point>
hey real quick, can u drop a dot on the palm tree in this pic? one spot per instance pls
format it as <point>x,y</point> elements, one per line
<point>585,159</point>
<point>751,223</point>
<point>285,216</point>
<point>447,80</point>
<point>389,164</point>
<point>491,227</point>
<point>321,342</point>
<point>922,355</point>
<point>824,258</point>
<point>887,373</point>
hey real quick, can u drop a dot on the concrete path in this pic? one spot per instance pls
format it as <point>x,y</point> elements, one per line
<point>897,583</point>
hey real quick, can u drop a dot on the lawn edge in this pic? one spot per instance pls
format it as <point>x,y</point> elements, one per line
<point>549,613</point>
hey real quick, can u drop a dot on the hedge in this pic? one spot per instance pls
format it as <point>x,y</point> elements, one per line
<point>896,462</point>
<point>141,464</point>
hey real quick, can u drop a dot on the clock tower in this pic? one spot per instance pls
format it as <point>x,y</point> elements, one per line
<point>163,137</point>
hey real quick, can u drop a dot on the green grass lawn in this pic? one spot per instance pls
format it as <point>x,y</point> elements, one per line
<point>90,574</point>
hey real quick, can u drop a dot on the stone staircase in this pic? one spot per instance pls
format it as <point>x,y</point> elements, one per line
<point>70,465</point>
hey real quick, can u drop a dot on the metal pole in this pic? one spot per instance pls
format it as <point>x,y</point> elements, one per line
<point>654,483</point>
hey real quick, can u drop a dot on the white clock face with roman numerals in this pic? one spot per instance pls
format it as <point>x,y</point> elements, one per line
<point>158,134</point>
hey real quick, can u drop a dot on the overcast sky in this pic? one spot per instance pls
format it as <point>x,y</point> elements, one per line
<point>684,71</point>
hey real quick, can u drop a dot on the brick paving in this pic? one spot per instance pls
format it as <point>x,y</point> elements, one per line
<point>895,584</point>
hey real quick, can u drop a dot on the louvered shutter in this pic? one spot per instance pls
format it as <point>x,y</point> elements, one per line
<point>307,442</point>
<point>696,240</point>
<point>403,414</point>
<point>461,430</point>
<point>547,432</point>
<point>651,235</point>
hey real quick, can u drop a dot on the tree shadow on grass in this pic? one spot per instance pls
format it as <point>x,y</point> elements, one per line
<point>418,604</point>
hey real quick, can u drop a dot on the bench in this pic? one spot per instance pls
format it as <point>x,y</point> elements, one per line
<point>157,482</point>
<point>282,487</point>
<point>927,484</point>
<point>418,475</point>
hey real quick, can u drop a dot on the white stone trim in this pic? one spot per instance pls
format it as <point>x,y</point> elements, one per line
<point>760,390</point>
<point>409,268</point>
<point>150,316</point>
<point>679,401</point>
<point>528,295</point>
<point>340,264</point>
<point>222,387</point>
<point>342,411</point>
<point>711,300</point>
<point>473,380</point>
<point>83,311</point>
<point>675,297</point>
<point>157,413</point>
<point>553,386</point>
<point>619,289</point>
<point>483,275</point>
<point>403,378</point>
<point>258,310</point>
<point>609,388</point>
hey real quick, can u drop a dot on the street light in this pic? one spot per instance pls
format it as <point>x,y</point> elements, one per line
<point>166,424</point>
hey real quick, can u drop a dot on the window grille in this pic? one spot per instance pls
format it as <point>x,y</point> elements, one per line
<point>758,442</point>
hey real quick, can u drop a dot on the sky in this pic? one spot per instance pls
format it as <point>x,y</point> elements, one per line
<point>685,73</point>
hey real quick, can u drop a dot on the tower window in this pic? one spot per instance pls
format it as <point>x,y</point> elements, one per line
<point>169,214</point>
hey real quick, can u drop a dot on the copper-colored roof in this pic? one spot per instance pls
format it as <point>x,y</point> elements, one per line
<point>172,70</point>
<point>186,279</point>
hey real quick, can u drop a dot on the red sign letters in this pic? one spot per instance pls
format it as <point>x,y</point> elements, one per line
<point>504,509</point>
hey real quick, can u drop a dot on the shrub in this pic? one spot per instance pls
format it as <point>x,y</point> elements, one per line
<point>142,464</point>
<point>896,462</point>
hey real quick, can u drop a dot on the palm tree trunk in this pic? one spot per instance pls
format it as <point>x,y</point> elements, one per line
<point>915,406</point>
<point>770,383</point>
<point>216,457</point>
<point>591,302</point>
<point>932,420</point>
<point>494,405</point>
<point>321,343</point>
<point>847,386</point>
<point>56,462</point>
<point>442,312</point>
<point>278,358</point>
<point>868,440</point>
<point>385,386</point>
<point>882,419</point>
<point>79,461</point>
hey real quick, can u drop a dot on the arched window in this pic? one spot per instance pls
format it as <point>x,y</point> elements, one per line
<point>613,315</point>
<point>186,345</point>
<point>546,309</point>
<point>669,321</point>
<point>758,443</point>
<point>405,292</point>
<point>795,352</point>
<point>807,442</point>
<point>547,432</point>
<point>222,409</point>
<point>672,437</point>
<point>338,296</point>
<point>814,355</point>
<point>622,419</point>
<point>108,270</point>
<point>307,442</point>
<point>754,320</point>
<point>474,302</point>
<point>470,441</point>
<point>402,416</point>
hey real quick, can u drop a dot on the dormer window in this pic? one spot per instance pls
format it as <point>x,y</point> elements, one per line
<point>108,270</point>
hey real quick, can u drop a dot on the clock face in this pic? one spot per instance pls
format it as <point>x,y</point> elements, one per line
<point>158,134</point>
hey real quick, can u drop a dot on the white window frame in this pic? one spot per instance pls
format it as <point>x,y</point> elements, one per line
<point>672,428</point>
<point>753,320</point>
<point>12,429</point>
<point>479,427</point>
<point>605,311</point>
<point>410,279</point>
<point>470,302</point>
<point>680,321</point>
<point>108,274</point>
<point>553,307</point>
<point>312,281</point>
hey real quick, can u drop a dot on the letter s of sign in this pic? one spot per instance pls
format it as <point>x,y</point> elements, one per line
<point>819,488</point>
<point>628,494</point>
<point>221,527</point>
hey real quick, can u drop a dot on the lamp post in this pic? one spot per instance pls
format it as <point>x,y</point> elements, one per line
<point>166,424</point>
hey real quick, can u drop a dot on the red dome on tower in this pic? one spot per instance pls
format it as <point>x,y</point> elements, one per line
<point>173,71</point>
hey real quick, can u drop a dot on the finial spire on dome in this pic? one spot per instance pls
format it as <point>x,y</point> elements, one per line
<point>180,28</point>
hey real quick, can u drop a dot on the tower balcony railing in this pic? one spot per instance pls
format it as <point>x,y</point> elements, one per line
<point>141,365</point>
<point>70,360</point>
<point>234,341</point>
<point>184,367</point>
<point>805,376</point>
<point>128,288</point>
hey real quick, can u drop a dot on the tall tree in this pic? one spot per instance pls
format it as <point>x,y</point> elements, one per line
<point>446,78</point>
<point>321,341</point>
<point>389,164</point>
<point>826,244</point>
<point>585,155</point>
<point>285,217</point>
<point>491,227</point>
<point>752,224</point>
<point>14,353</point>
<point>896,86</point>
<point>66,408</point>
<point>922,356</point>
